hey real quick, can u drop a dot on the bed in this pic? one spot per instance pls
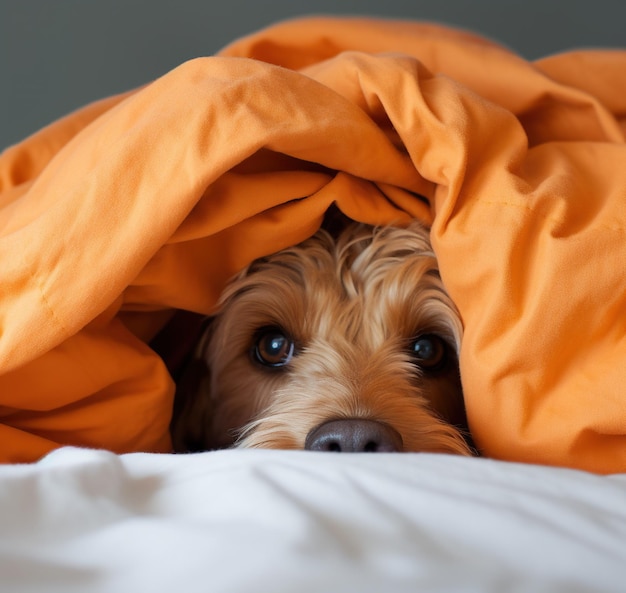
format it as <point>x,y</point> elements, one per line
<point>120,216</point>
<point>239,521</point>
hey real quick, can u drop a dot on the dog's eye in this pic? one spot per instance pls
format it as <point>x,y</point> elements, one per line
<point>273,348</point>
<point>429,352</point>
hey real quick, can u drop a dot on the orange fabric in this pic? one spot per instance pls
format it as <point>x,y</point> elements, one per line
<point>147,202</point>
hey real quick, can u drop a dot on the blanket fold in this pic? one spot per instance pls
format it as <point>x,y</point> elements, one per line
<point>147,202</point>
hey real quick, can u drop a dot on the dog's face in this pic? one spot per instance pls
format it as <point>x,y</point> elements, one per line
<point>346,345</point>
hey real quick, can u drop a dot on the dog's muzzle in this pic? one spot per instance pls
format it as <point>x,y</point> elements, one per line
<point>354,435</point>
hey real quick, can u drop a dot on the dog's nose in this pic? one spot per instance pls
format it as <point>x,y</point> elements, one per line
<point>354,436</point>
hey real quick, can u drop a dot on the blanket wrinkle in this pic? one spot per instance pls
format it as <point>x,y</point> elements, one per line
<point>325,38</point>
<point>145,203</point>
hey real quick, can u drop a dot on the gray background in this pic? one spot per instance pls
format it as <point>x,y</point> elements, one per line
<point>56,55</point>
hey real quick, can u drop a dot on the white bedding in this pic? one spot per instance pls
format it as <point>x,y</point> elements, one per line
<point>298,522</point>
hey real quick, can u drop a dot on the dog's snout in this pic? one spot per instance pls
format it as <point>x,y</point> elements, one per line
<point>354,436</point>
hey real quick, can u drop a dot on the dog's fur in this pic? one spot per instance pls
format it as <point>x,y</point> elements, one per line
<point>350,311</point>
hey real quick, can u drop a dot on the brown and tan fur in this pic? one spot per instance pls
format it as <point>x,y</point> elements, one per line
<point>353,308</point>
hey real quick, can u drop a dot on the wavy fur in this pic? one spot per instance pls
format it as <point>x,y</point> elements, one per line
<point>352,305</point>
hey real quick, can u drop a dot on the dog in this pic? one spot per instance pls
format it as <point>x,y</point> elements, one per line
<point>346,344</point>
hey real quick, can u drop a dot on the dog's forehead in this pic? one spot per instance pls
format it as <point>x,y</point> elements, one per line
<point>360,250</point>
<point>365,286</point>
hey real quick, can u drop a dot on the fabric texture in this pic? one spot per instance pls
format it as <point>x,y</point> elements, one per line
<point>147,202</point>
<point>284,521</point>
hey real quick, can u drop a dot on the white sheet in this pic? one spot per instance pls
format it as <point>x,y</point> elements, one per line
<point>298,522</point>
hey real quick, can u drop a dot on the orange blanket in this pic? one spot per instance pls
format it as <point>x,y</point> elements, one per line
<point>147,202</point>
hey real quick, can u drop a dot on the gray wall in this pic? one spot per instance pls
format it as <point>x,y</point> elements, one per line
<point>56,55</point>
